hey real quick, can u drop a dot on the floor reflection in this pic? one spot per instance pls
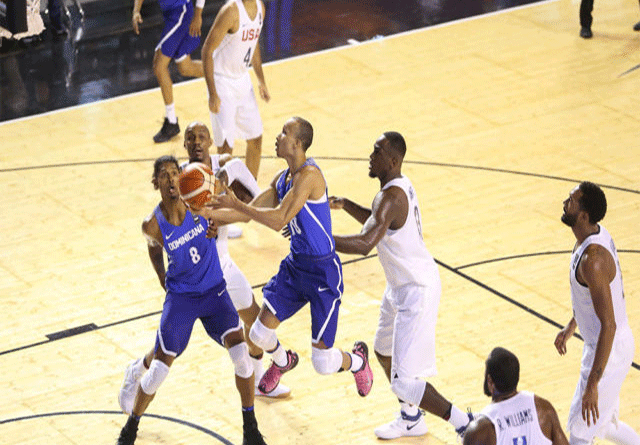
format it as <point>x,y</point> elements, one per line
<point>101,58</point>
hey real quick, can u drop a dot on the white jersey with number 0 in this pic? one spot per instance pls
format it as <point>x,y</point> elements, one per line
<point>516,421</point>
<point>585,314</point>
<point>233,57</point>
<point>402,253</point>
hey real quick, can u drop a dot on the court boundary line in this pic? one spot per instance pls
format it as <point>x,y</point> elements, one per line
<point>300,56</point>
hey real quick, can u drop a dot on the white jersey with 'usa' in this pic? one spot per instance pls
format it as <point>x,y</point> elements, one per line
<point>402,253</point>
<point>233,57</point>
<point>584,312</point>
<point>516,421</point>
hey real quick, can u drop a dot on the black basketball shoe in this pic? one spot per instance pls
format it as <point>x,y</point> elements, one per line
<point>167,131</point>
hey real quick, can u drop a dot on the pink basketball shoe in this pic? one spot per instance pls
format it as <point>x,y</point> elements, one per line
<point>271,377</point>
<point>364,375</point>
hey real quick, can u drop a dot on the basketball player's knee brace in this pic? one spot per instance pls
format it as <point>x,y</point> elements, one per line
<point>326,361</point>
<point>408,389</point>
<point>263,337</point>
<point>237,171</point>
<point>154,377</point>
<point>241,361</point>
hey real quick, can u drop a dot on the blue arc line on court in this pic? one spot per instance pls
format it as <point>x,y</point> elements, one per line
<point>90,412</point>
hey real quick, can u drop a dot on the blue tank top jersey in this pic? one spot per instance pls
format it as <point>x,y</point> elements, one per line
<point>311,227</point>
<point>170,4</point>
<point>194,266</point>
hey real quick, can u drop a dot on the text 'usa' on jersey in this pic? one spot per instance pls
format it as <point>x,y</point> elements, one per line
<point>311,228</point>
<point>194,266</point>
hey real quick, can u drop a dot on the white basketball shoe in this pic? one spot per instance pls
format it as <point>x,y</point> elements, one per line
<point>403,426</point>
<point>132,376</point>
<point>281,392</point>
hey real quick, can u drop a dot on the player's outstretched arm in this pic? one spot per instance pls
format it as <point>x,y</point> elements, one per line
<point>388,206</point>
<point>358,212</point>
<point>304,183</point>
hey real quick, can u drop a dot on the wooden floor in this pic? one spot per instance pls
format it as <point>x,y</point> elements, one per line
<point>503,115</point>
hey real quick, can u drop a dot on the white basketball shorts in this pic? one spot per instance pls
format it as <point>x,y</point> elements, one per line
<point>609,386</point>
<point>238,116</point>
<point>407,329</point>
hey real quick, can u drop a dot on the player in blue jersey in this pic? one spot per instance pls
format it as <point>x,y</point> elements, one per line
<point>180,37</point>
<point>311,273</point>
<point>195,289</point>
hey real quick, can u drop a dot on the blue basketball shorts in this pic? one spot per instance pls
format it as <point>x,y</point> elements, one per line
<point>303,279</point>
<point>176,42</point>
<point>180,312</point>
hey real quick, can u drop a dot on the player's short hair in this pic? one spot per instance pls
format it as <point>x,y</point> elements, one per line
<point>592,201</point>
<point>396,142</point>
<point>305,132</point>
<point>157,165</point>
<point>194,124</point>
<point>504,368</point>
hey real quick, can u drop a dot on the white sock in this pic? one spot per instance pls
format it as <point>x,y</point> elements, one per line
<point>622,435</point>
<point>356,362</point>
<point>170,113</point>
<point>279,356</point>
<point>458,418</point>
<point>409,409</point>
<point>258,370</point>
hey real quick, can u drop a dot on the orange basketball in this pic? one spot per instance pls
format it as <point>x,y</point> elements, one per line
<point>196,184</point>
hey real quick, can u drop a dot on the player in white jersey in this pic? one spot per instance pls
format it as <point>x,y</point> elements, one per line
<point>599,311</point>
<point>234,172</point>
<point>230,49</point>
<point>405,339</point>
<point>513,417</point>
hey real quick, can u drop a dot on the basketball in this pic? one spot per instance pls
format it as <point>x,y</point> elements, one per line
<point>196,184</point>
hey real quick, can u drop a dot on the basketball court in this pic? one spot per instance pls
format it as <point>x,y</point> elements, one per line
<point>503,115</point>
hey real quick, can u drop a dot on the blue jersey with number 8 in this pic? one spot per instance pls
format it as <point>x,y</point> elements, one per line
<point>194,266</point>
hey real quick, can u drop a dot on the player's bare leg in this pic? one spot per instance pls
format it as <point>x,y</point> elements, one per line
<point>170,127</point>
<point>188,67</point>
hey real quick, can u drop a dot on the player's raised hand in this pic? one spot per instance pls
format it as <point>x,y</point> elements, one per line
<point>226,200</point>
<point>136,19</point>
<point>336,202</point>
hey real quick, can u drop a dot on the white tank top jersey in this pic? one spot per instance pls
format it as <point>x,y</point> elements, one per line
<point>516,421</point>
<point>222,243</point>
<point>584,313</point>
<point>233,57</point>
<point>402,253</point>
